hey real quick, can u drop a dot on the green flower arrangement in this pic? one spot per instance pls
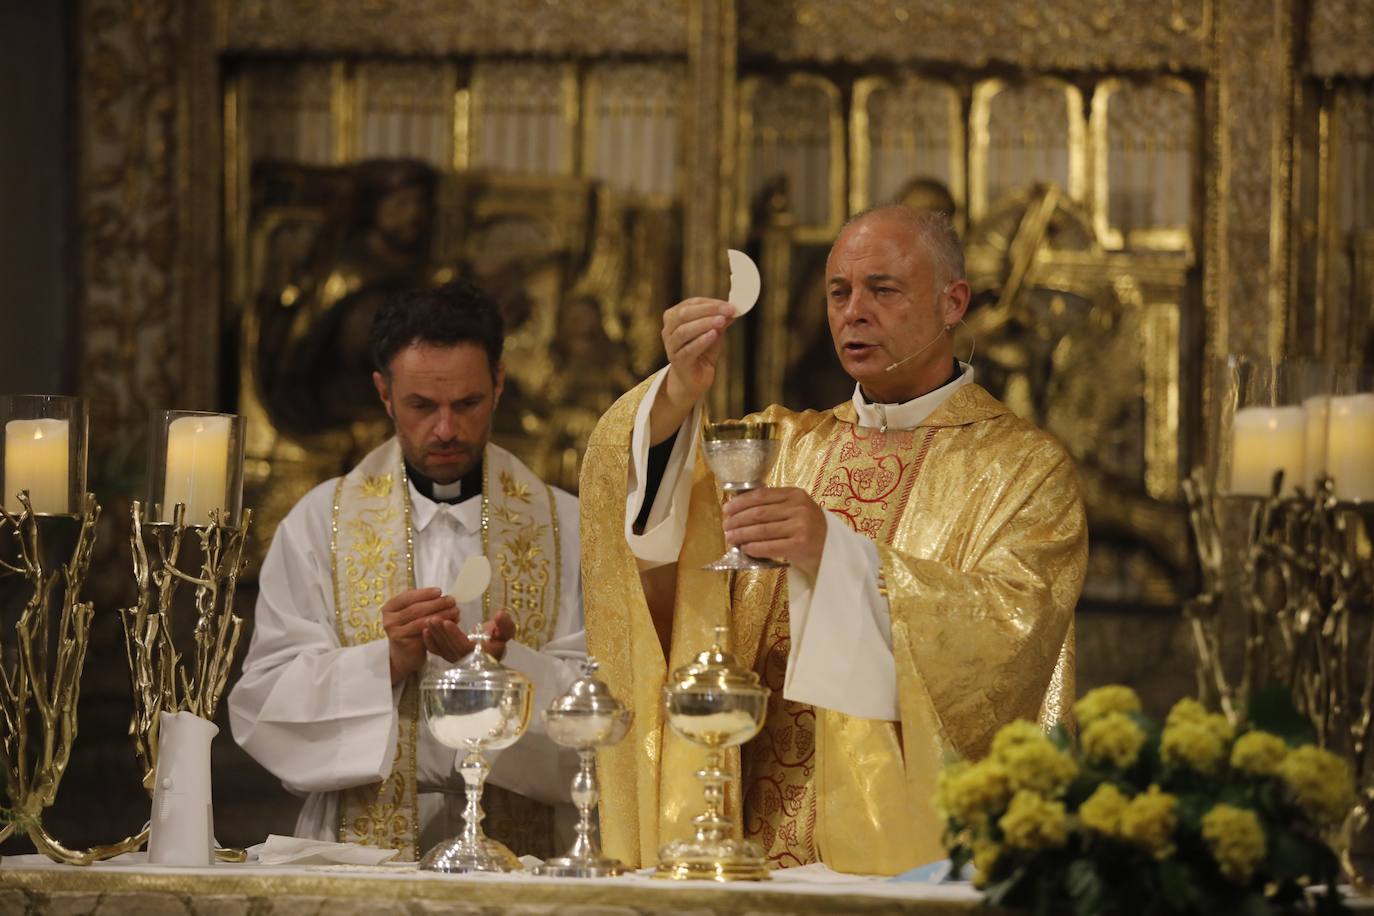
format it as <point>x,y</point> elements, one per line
<point>1193,818</point>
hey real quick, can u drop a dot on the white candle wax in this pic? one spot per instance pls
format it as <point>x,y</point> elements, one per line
<point>197,467</point>
<point>1316,411</point>
<point>1265,440</point>
<point>36,460</point>
<point>1350,446</point>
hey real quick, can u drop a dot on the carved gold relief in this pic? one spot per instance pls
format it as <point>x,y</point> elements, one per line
<point>1342,32</point>
<point>792,130</point>
<point>631,127</point>
<point>434,27</point>
<point>1071,34</point>
<point>905,132</point>
<point>1022,134</point>
<point>1144,148</point>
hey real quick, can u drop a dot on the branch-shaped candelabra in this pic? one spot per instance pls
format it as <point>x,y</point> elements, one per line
<point>1304,569</point>
<point>41,659</point>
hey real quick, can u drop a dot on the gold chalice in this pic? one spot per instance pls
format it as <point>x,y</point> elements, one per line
<point>740,455</point>
<point>477,705</point>
<point>714,702</point>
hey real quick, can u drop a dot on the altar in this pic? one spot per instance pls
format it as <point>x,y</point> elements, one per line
<point>34,885</point>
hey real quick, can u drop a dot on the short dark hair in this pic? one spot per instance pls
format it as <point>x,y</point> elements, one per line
<point>454,313</point>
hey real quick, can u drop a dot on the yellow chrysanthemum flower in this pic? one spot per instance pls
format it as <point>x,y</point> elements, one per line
<point>970,793</point>
<point>1113,738</point>
<point>986,854</point>
<point>1101,813</point>
<point>1192,743</point>
<point>1218,725</point>
<point>1186,710</point>
<point>1236,839</point>
<point>1033,822</point>
<point>1259,753</point>
<point>1320,781</point>
<point>1039,767</point>
<point>1148,821</point>
<point>1104,700</point>
<point>1014,734</point>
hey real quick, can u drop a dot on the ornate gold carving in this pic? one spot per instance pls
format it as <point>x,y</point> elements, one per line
<point>792,130</point>
<point>1340,36</point>
<point>1078,34</point>
<point>1144,141</point>
<point>515,101</point>
<point>900,132</point>
<point>405,108</point>
<point>435,27</point>
<point>1023,134</point>
<point>711,160</point>
<point>632,127</point>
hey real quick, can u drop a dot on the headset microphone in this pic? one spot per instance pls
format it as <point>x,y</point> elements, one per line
<point>907,359</point>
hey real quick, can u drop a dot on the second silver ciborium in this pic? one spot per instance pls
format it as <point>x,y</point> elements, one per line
<point>476,706</point>
<point>740,455</point>
<point>585,717</point>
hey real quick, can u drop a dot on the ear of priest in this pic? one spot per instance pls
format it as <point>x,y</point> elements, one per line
<point>936,546</point>
<point>354,609</point>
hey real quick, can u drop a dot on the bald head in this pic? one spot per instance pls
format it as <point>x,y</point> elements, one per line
<point>929,230</point>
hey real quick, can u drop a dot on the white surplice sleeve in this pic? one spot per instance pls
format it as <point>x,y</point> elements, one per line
<point>841,656</point>
<point>319,716</point>
<point>841,625</point>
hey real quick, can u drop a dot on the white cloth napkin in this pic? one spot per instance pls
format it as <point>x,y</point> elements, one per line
<point>294,850</point>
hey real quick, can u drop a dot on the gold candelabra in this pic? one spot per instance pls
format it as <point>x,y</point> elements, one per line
<point>42,654</point>
<point>1302,570</point>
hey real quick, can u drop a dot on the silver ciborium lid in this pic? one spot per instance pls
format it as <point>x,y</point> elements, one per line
<point>475,706</point>
<point>585,718</point>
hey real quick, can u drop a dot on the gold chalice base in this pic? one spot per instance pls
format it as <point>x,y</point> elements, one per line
<point>728,860</point>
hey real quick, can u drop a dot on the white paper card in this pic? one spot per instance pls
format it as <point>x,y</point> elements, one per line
<point>744,281</point>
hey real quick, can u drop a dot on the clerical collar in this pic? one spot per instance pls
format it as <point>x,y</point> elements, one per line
<point>461,490</point>
<point>909,414</point>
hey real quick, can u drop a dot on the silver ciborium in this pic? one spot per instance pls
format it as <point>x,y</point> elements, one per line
<point>714,702</point>
<point>740,455</point>
<point>476,706</point>
<point>585,717</point>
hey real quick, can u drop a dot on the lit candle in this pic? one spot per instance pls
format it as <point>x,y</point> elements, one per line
<point>197,467</point>
<point>36,460</point>
<point>1350,446</point>
<point>1315,410</point>
<point>1267,439</point>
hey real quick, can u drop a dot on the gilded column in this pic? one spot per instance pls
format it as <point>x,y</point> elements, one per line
<point>710,176</point>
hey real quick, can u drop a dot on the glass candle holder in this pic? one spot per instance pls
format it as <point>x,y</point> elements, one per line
<point>195,459</point>
<point>1271,417</point>
<point>43,438</point>
<point>1350,435</point>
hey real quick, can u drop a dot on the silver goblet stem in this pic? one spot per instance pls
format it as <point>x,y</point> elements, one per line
<point>474,770</point>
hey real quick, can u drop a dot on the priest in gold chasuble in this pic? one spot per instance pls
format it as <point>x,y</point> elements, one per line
<point>936,546</point>
<point>353,611</point>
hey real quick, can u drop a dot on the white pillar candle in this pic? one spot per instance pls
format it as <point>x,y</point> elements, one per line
<point>36,453</point>
<point>197,467</point>
<point>1350,446</point>
<point>1316,411</point>
<point>1265,440</point>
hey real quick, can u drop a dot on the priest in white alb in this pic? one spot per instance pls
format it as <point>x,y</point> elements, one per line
<point>353,609</point>
<point>936,546</point>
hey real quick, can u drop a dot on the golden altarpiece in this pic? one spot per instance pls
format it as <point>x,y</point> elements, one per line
<point>1141,187</point>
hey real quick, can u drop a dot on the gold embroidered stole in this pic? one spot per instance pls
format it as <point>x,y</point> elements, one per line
<point>372,547</point>
<point>374,560</point>
<point>520,536</point>
<point>866,477</point>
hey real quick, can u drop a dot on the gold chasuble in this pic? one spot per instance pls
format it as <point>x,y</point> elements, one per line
<point>371,542</point>
<point>980,529</point>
